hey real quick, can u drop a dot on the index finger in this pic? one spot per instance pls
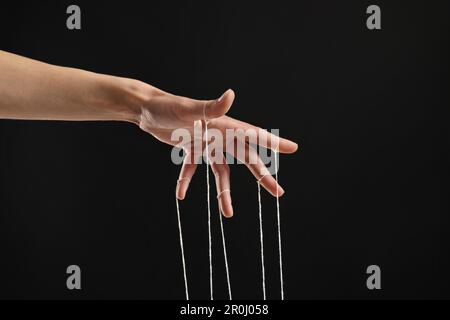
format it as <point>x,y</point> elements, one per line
<point>263,137</point>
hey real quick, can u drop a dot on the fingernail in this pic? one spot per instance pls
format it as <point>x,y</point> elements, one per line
<point>280,191</point>
<point>222,96</point>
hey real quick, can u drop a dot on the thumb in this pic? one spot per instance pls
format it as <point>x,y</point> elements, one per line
<point>193,110</point>
<point>219,107</point>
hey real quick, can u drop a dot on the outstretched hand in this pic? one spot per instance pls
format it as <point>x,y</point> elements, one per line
<point>33,90</point>
<point>164,113</point>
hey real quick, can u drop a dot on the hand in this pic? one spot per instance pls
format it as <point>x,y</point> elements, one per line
<point>57,93</point>
<point>164,112</point>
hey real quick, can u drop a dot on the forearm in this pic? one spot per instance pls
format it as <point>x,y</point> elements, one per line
<point>34,90</point>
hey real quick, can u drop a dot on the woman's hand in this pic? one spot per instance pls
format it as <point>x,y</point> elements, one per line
<point>163,113</point>
<point>32,90</point>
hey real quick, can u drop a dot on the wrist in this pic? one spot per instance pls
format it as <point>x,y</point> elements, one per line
<point>125,97</point>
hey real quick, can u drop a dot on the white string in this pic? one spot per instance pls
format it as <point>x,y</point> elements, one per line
<point>279,229</point>
<point>209,218</point>
<point>209,207</point>
<point>222,192</point>
<point>263,272</point>
<point>224,247</point>
<point>222,229</point>
<point>181,245</point>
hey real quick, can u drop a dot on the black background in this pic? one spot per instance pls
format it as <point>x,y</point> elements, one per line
<point>369,185</point>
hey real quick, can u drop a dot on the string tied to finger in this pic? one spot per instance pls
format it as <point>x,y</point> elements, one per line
<point>279,224</point>
<point>219,195</point>
<point>209,217</point>
<point>184,179</point>
<point>261,237</point>
<point>182,248</point>
<point>208,202</point>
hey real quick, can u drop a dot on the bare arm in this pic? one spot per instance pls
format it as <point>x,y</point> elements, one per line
<point>34,90</point>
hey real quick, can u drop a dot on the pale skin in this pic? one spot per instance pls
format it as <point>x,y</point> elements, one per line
<point>33,90</point>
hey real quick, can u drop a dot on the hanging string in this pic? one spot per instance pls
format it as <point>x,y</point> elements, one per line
<point>209,206</point>
<point>279,228</point>
<point>222,229</point>
<point>209,218</point>
<point>181,244</point>
<point>263,272</point>
<point>224,247</point>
